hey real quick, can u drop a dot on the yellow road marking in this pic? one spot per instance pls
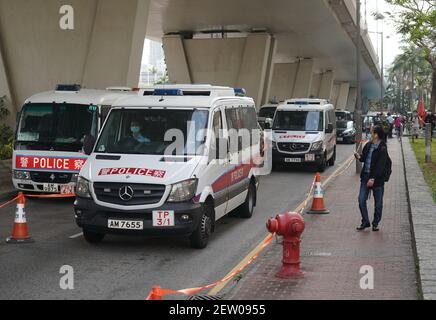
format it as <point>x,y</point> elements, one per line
<point>244,261</point>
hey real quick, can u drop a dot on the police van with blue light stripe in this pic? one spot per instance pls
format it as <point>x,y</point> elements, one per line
<point>165,164</point>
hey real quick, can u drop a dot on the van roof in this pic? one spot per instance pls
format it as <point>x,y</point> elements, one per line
<point>305,104</point>
<point>184,95</point>
<point>82,96</point>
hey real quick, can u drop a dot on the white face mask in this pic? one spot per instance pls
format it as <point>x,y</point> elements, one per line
<point>135,129</point>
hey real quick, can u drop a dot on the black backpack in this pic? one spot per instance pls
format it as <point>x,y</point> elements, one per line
<point>388,168</point>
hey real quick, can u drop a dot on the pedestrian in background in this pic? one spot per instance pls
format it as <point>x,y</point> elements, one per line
<point>391,124</point>
<point>375,158</point>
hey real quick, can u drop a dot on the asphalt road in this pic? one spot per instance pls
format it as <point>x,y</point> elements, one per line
<point>127,267</point>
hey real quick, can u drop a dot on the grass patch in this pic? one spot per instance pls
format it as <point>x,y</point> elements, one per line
<point>428,169</point>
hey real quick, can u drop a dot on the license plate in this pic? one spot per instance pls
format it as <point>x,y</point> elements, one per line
<point>125,224</point>
<point>50,187</point>
<point>310,157</point>
<point>340,139</point>
<point>163,219</point>
<point>293,160</point>
<point>67,189</point>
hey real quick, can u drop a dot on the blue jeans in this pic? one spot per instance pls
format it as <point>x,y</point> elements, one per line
<point>378,193</point>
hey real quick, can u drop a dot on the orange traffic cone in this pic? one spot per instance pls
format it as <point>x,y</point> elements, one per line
<point>155,294</point>
<point>318,206</point>
<point>20,233</point>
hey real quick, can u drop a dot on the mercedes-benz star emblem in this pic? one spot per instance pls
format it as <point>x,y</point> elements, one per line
<point>126,193</point>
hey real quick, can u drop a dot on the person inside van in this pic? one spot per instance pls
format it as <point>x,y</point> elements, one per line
<point>136,128</point>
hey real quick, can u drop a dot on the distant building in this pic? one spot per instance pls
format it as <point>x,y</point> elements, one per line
<point>156,67</point>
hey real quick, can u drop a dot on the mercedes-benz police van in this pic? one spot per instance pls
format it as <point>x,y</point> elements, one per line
<point>166,163</point>
<point>51,130</point>
<point>304,131</point>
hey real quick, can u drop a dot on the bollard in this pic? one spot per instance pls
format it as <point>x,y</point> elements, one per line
<point>427,142</point>
<point>290,225</point>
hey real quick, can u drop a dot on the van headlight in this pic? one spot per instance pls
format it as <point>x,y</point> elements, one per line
<point>274,145</point>
<point>183,191</point>
<point>348,132</point>
<point>82,188</point>
<point>22,175</point>
<point>316,146</point>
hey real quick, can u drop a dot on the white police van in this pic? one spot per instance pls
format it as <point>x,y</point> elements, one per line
<point>166,162</point>
<point>304,131</point>
<point>51,130</point>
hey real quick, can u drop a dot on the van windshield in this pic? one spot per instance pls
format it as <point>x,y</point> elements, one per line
<point>299,121</point>
<point>56,127</point>
<point>267,112</point>
<point>154,132</point>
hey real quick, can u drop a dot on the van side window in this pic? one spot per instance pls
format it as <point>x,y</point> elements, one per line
<point>217,124</point>
<point>249,114</point>
<point>332,117</point>
<point>217,127</point>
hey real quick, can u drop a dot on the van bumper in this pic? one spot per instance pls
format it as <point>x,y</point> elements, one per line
<point>94,218</point>
<point>280,158</point>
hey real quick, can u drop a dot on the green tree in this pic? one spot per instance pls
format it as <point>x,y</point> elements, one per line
<point>409,79</point>
<point>6,133</point>
<point>416,21</point>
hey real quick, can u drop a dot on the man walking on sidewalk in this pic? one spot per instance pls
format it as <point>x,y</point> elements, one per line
<point>374,157</point>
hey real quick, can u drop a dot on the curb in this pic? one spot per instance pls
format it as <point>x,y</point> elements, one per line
<point>422,223</point>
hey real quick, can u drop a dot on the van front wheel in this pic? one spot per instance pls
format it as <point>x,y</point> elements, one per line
<point>247,209</point>
<point>322,166</point>
<point>200,237</point>
<point>93,237</point>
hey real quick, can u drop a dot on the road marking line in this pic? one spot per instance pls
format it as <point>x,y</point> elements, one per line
<point>77,235</point>
<point>221,286</point>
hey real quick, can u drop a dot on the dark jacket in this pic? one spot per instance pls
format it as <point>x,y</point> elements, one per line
<point>378,163</point>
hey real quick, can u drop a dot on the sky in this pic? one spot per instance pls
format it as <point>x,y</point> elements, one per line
<point>392,41</point>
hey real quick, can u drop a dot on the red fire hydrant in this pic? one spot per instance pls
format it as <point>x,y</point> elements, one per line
<point>290,225</point>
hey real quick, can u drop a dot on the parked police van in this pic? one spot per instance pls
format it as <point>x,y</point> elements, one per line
<point>51,130</point>
<point>135,184</point>
<point>304,131</point>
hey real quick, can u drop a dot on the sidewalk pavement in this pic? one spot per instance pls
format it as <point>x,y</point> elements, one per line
<point>333,252</point>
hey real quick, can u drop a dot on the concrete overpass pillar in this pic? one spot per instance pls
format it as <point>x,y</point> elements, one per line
<point>175,56</point>
<point>104,48</point>
<point>5,89</point>
<point>255,61</point>
<point>303,82</point>
<point>234,62</point>
<point>352,99</point>
<point>344,89</point>
<point>316,84</point>
<point>326,87</point>
<point>283,80</point>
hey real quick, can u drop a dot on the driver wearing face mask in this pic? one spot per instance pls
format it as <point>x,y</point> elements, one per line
<point>135,128</point>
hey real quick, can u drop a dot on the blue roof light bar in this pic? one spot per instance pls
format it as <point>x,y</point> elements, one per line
<point>240,92</point>
<point>168,92</point>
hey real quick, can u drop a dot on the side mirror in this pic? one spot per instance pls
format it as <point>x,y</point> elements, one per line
<point>88,144</point>
<point>329,128</point>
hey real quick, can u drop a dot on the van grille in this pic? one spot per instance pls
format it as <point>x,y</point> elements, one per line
<point>294,147</point>
<point>51,177</point>
<point>143,194</point>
